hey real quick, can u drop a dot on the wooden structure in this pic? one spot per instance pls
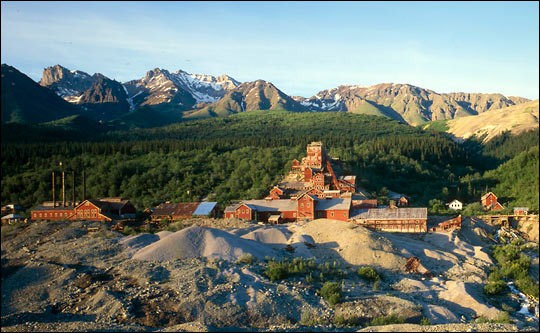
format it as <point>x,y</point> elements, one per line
<point>394,219</point>
<point>489,202</point>
<point>104,209</point>
<point>521,211</point>
<point>182,210</point>
<point>455,205</point>
<point>413,265</point>
<point>448,225</point>
<point>313,173</point>
<point>304,207</point>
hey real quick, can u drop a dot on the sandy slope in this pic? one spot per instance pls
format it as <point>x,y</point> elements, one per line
<point>516,119</point>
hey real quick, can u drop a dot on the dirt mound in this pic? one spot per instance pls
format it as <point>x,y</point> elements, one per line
<point>347,242</point>
<point>195,242</point>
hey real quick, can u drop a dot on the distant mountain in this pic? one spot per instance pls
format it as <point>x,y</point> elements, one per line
<point>26,102</point>
<point>180,90</point>
<point>173,96</point>
<point>106,99</point>
<point>405,102</point>
<point>103,98</point>
<point>256,95</point>
<point>68,84</point>
<point>516,119</point>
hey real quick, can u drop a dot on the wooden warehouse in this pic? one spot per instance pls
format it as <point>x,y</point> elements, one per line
<point>104,209</point>
<point>394,219</point>
<point>304,207</point>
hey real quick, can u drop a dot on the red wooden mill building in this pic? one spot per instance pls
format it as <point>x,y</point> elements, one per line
<point>304,207</point>
<point>104,209</point>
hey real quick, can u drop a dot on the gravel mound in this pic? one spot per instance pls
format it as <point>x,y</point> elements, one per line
<point>272,235</point>
<point>195,242</point>
<point>353,244</point>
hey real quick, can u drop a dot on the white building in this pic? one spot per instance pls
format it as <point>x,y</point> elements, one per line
<point>455,205</point>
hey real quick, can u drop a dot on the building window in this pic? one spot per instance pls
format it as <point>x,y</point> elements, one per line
<point>332,214</point>
<point>308,205</point>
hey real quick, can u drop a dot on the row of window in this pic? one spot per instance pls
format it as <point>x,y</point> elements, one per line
<point>51,214</point>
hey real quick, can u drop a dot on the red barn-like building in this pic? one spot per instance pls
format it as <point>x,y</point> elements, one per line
<point>489,202</point>
<point>104,209</point>
<point>304,207</point>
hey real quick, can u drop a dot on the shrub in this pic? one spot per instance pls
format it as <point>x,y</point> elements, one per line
<point>502,318</point>
<point>331,292</point>
<point>424,321</point>
<point>368,273</point>
<point>309,318</point>
<point>245,258</point>
<point>275,271</point>
<point>494,287</point>
<point>386,320</point>
<point>342,321</point>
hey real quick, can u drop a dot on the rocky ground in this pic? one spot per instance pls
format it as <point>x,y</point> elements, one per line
<point>57,276</point>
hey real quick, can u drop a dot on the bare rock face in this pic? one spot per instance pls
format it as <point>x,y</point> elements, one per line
<point>67,84</point>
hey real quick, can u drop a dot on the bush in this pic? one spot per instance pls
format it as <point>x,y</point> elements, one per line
<point>245,258</point>
<point>275,271</point>
<point>386,320</point>
<point>331,292</point>
<point>368,273</point>
<point>309,318</point>
<point>342,321</point>
<point>424,321</point>
<point>495,287</point>
<point>502,318</point>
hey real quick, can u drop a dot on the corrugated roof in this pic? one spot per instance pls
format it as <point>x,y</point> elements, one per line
<point>280,205</point>
<point>333,204</point>
<point>205,208</point>
<point>233,207</point>
<point>394,214</point>
<point>164,209</point>
<point>185,208</point>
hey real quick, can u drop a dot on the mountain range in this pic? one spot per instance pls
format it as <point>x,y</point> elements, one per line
<point>162,97</point>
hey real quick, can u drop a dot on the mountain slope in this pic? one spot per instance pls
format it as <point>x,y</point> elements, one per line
<point>516,119</point>
<point>68,84</point>
<point>256,95</point>
<point>406,102</point>
<point>180,90</point>
<point>105,99</point>
<point>25,101</point>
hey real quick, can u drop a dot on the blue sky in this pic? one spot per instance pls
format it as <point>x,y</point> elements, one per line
<point>301,47</point>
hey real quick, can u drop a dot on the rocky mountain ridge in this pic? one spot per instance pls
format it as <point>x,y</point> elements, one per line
<point>195,96</point>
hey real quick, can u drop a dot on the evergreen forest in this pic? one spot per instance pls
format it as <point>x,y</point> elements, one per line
<point>244,155</point>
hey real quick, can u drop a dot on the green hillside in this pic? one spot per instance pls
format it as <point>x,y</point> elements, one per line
<point>242,156</point>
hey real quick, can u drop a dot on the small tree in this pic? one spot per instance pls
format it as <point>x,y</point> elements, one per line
<point>331,292</point>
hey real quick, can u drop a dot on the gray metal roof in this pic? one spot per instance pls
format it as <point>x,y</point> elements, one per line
<point>205,208</point>
<point>334,203</point>
<point>394,214</point>
<point>280,205</point>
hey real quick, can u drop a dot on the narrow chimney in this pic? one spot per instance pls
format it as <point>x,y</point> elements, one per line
<point>63,189</point>
<point>53,192</point>
<point>84,186</point>
<point>73,182</point>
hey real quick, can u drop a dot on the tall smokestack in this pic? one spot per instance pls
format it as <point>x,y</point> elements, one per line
<point>84,185</point>
<point>73,183</point>
<point>63,189</point>
<point>53,191</point>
